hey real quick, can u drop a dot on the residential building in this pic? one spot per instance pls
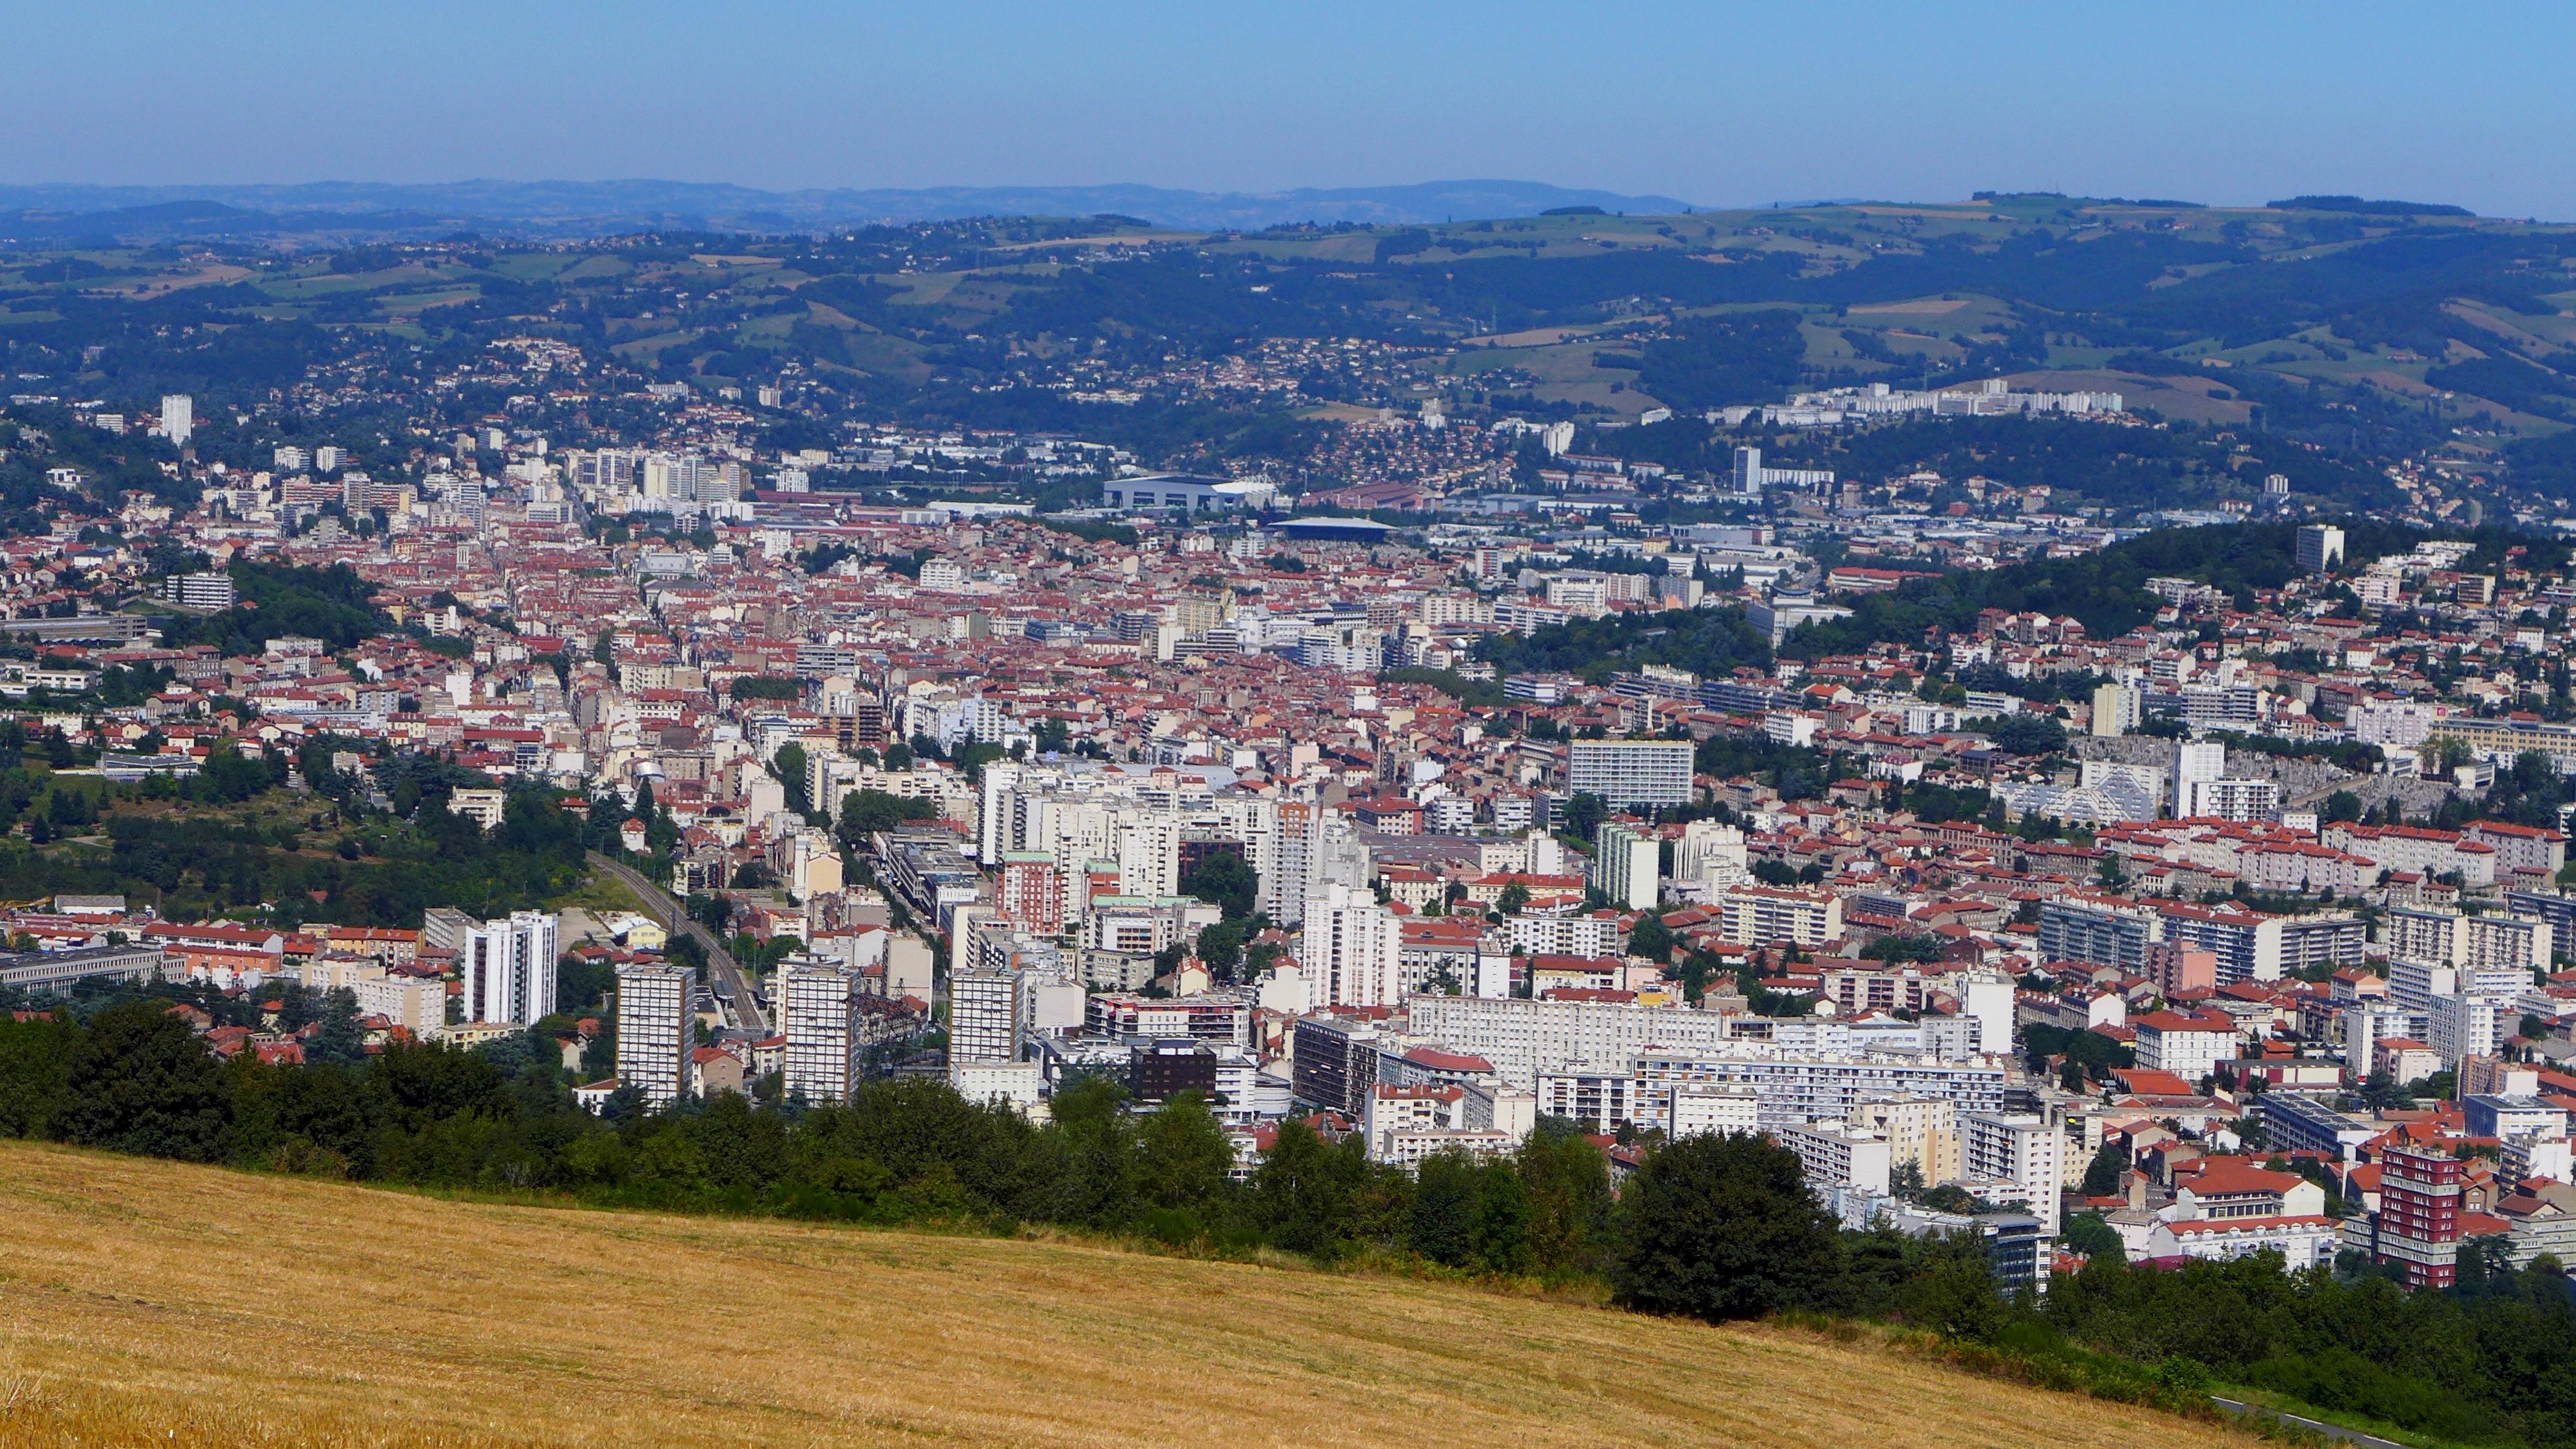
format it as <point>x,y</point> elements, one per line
<point>818,1015</point>
<point>1627,866</point>
<point>2024,1150</point>
<point>653,1031</point>
<point>1631,774</point>
<point>508,968</point>
<point>2320,548</point>
<point>2418,1226</point>
<point>2189,1046</point>
<point>1755,915</point>
<point>1837,1154</point>
<point>1352,951</point>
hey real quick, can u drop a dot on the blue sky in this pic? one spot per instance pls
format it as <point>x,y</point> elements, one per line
<point>1714,104</point>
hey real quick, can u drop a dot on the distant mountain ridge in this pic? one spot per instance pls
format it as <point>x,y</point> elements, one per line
<point>589,208</point>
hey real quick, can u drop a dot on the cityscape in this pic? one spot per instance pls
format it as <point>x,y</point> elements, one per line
<point>1565,808</point>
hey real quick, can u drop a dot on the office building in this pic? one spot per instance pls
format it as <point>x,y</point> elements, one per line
<point>2293,1123</point>
<point>1332,1063</point>
<point>653,1036</point>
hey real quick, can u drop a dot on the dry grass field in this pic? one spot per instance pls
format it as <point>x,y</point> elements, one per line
<point>146,1303</point>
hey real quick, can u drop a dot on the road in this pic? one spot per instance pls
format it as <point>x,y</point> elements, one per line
<point>720,963</point>
<point>2331,1431</point>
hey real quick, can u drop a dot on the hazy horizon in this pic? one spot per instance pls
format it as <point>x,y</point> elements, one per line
<point>1726,108</point>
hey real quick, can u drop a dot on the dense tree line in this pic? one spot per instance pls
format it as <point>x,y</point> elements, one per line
<point>384,871</point>
<point>2126,467</point>
<point>331,604</point>
<point>1708,642</point>
<point>2105,590</point>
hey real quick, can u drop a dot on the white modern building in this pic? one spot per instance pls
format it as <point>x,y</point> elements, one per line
<point>2022,1149</point>
<point>509,968</point>
<point>1352,951</point>
<point>818,1015</point>
<point>178,418</point>
<point>653,1035</point>
<point>1627,867</point>
<point>1653,774</point>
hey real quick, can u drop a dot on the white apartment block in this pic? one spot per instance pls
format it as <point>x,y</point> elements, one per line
<point>1693,1109</point>
<point>1406,1147</point>
<point>2467,1025</point>
<point>2504,943</point>
<point>1352,950</point>
<point>1524,1037</point>
<point>1754,915</point>
<point>1795,1087</point>
<point>2021,1149</point>
<point>984,1017</point>
<point>653,1036</point>
<point>1921,1130</point>
<point>1835,1154</point>
<point>1712,854</point>
<point>1627,866</point>
<point>818,1015</point>
<point>418,1004</point>
<point>1560,935</point>
<point>509,968</point>
<point>1655,774</point>
<point>2231,800</point>
<point>2190,1047</point>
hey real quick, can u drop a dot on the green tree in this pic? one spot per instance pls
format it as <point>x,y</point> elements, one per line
<point>140,1081</point>
<point>2028,734</point>
<point>1223,879</point>
<point>1584,812</point>
<point>35,1069</point>
<point>1721,1226</point>
<point>339,1038</point>
<point>1954,1293</point>
<point>1183,1157</point>
<point>1443,1222</point>
<point>788,765</point>
<point>1650,938</point>
<point>865,812</point>
<point>2094,1237</point>
<point>1304,1194</point>
<point>1503,1220</point>
<point>2102,1174</point>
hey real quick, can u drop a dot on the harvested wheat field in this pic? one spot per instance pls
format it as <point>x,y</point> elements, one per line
<point>141,1301</point>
